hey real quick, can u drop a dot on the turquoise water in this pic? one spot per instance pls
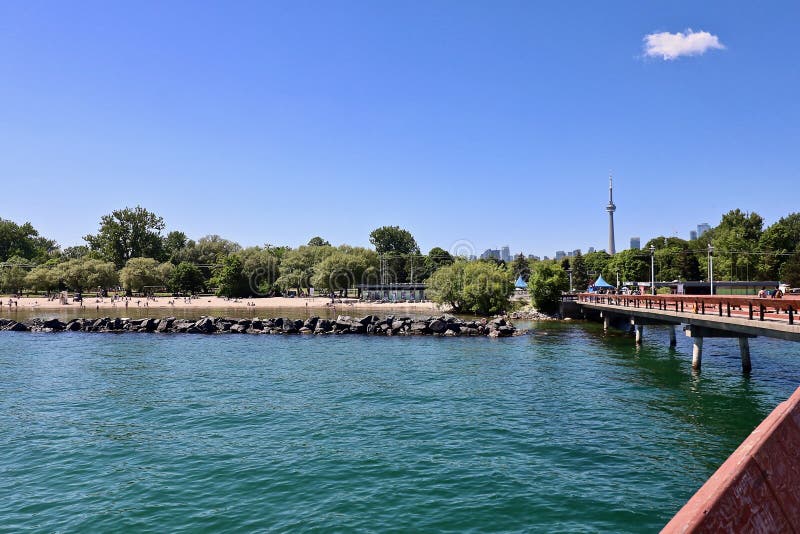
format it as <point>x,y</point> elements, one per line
<point>563,430</point>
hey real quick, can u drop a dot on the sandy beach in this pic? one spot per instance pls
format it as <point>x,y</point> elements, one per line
<point>205,302</point>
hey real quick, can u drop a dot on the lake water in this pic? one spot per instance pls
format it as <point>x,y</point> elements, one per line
<point>563,430</point>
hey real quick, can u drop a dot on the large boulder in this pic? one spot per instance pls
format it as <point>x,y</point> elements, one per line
<point>438,326</point>
<point>419,327</point>
<point>14,326</point>
<point>205,325</point>
<point>54,324</point>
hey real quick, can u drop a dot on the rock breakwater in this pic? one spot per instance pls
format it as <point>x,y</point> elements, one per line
<point>390,325</point>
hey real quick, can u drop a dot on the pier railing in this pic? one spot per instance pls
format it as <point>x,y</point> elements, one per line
<point>753,308</point>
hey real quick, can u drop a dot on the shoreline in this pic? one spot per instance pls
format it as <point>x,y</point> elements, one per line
<point>207,302</point>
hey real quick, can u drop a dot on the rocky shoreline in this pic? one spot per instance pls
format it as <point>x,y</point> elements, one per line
<point>390,325</point>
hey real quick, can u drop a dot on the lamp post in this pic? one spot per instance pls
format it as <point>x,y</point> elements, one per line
<point>711,268</point>
<point>652,269</point>
<point>569,272</point>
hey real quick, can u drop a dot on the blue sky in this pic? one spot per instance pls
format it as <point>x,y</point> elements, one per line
<point>489,122</point>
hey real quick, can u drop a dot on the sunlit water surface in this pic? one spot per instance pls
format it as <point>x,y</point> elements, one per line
<point>562,430</point>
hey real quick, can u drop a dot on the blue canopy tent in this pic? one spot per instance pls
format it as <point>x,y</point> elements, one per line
<point>520,283</point>
<point>600,284</point>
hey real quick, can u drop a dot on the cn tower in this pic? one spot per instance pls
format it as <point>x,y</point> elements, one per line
<point>611,208</point>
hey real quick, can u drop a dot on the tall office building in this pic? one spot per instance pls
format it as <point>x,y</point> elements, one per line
<point>703,228</point>
<point>505,253</point>
<point>636,243</point>
<point>611,208</point>
<point>692,235</point>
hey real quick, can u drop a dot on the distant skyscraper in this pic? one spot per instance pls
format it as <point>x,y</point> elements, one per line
<point>636,243</point>
<point>611,208</point>
<point>591,249</point>
<point>692,235</point>
<point>490,253</point>
<point>560,254</point>
<point>702,228</point>
<point>505,253</point>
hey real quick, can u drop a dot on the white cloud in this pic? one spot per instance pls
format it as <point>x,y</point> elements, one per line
<point>671,46</point>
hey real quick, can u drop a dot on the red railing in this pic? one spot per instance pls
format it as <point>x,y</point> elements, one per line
<point>753,308</point>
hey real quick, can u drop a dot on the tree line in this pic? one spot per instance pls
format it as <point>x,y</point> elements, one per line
<point>132,251</point>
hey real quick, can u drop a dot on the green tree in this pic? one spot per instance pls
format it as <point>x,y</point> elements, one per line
<point>521,267</point>
<point>230,279</point>
<point>427,265</point>
<point>87,273</point>
<point>318,242</point>
<point>12,275</point>
<point>778,242</point>
<point>346,267</point>
<point>632,266</point>
<point>675,259</point>
<point>23,241</point>
<point>547,282</point>
<point>737,234</point>
<point>128,233</point>
<point>790,271</point>
<point>187,277</point>
<point>580,275</point>
<point>399,248</point>
<point>596,263</point>
<point>479,287</point>
<point>145,274</point>
<point>260,269</point>
<point>297,266</point>
<point>78,251</point>
<point>174,243</point>
<point>42,278</point>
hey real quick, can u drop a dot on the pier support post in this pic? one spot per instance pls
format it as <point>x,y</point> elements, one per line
<point>639,333</point>
<point>606,322</point>
<point>672,340</point>
<point>744,351</point>
<point>697,353</point>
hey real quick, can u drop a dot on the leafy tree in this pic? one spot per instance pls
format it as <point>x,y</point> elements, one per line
<point>790,271</point>
<point>12,275</point>
<point>23,241</point>
<point>427,265</point>
<point>521,267</point>
<point>596,263</point>
<point>565,264</point>
<point>580,275</point>
<point>547,282</point>
<point>87,273</point>
<point>737,234</point>
<point>632,265</point>
<point>346,267</point>
<point>777,244</point>
<point>398,247</point>
<point>230,278</point>
<point>297,266</point>
<point>477,286</point>
<point>128,233</point>
<point>187,277</point>
<point>318,242</point>
<point>78,251</point>
<point>674,259</point>
<point>141,274</point>
<point>174,243</point>
<point>42,278</point>
<point>260,269</point>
